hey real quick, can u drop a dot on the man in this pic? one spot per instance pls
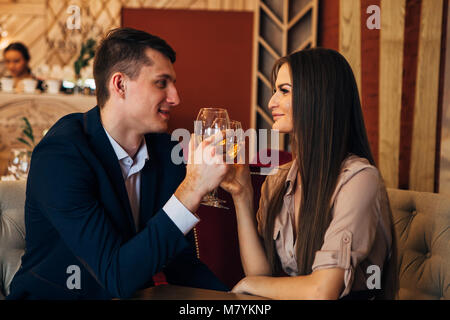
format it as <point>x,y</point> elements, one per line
<point>104,201</point>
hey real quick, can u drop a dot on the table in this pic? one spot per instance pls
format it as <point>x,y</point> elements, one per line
<point>173,292</point>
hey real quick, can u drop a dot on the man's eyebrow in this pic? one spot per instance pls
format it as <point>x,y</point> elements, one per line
<point>166,76</point>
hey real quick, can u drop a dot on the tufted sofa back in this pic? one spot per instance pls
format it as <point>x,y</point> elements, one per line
<point>12,231</point>
<point>422,225</point>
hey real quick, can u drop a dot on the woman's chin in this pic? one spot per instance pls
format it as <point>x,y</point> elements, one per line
<point>281,128</point>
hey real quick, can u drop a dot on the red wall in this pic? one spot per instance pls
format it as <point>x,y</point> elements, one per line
<point>214,58</point>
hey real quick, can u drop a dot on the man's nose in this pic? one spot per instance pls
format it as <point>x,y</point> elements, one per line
<point>172,97</point>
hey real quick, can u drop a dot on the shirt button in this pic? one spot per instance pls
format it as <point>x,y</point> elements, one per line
<point>346,239</point>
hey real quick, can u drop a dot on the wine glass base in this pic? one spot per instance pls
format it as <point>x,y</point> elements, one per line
<point>214,203</point>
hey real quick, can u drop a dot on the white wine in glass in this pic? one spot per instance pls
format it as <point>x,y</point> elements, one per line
<point>235,141</point>
<point>211,121</point>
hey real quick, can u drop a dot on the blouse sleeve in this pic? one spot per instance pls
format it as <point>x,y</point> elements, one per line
<point>351,233</point>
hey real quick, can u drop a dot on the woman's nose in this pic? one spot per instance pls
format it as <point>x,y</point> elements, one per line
<point>273,102</point>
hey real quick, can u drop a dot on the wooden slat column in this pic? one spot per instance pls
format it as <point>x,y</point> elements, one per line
<point>281,27</point>
<point>426,103</point>
<point>350,35</point>
<point>391,66</point>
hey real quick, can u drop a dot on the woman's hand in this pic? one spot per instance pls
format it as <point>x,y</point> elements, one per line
<point>237,181</point>
<point>241,287</point>
<point>323,284</point>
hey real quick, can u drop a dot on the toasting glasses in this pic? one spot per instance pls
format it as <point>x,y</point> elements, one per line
<point>235,142</point>
<point>209,122</point>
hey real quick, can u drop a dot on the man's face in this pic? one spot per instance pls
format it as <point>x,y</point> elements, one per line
<point>150,97</point>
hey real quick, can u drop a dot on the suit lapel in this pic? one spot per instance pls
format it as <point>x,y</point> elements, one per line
<point>105,153</point>
<point>149,177</point>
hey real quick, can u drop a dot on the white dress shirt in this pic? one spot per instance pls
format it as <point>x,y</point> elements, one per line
<point>131,172</point>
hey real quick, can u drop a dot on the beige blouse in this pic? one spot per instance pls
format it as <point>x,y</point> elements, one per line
<point>359,234</point>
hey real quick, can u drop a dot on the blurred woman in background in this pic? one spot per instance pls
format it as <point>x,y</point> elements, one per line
<point>17,58</point>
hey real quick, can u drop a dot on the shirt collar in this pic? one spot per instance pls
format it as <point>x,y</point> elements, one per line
<point>141,155</point>
<point>291,177</point>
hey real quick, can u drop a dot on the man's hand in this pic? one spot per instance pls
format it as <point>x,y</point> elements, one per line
<point>204,171</point>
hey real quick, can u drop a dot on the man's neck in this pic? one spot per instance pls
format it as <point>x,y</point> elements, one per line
<point>126,137</point>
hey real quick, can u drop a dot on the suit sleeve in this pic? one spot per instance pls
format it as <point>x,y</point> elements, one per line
<point>64,187</point>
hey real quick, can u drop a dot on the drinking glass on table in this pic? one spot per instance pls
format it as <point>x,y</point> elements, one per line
<point>211,121</point>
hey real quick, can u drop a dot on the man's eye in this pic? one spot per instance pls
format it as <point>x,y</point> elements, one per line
<point>161,83</point>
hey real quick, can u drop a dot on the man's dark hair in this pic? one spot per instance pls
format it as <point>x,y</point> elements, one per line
<point>123,50</point>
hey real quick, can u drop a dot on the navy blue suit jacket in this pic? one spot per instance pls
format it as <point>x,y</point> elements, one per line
<point>77,213</point>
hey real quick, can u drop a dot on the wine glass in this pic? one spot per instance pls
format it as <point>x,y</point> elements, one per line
<point>211,121</point>
<point>235,142</point>
<point>20,164</point>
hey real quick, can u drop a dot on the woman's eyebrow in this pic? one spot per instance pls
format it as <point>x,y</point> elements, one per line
<point>284,84</point>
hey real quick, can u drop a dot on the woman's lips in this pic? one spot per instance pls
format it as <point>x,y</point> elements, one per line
<point>276,115</point>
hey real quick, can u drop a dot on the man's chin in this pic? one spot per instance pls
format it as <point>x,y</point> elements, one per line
<point>158,129</point>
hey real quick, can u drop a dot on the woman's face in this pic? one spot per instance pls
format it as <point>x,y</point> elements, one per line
<point>281,102</point>
<point>16,63</point>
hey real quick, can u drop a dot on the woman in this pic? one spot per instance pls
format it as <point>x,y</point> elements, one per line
<point>17,57</point>
<point>324,219</point>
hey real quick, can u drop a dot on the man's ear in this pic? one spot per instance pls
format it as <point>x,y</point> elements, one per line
<point>118,84</point>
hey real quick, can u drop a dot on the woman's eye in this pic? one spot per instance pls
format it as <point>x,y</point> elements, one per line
<point>284,91</point>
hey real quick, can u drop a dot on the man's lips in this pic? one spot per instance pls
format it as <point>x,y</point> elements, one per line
<point>164,113</point>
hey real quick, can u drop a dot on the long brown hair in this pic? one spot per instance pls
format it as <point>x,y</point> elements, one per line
<point>328,125</point>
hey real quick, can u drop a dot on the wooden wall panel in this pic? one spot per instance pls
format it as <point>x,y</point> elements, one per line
<point>444,165</point>
<point>397,69</point>
<point>350,35</point>
<point>283,26</point>
<point>390,96</point>
<point>437,162</point>
<point>426,103</point>
<point>25,21</point>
